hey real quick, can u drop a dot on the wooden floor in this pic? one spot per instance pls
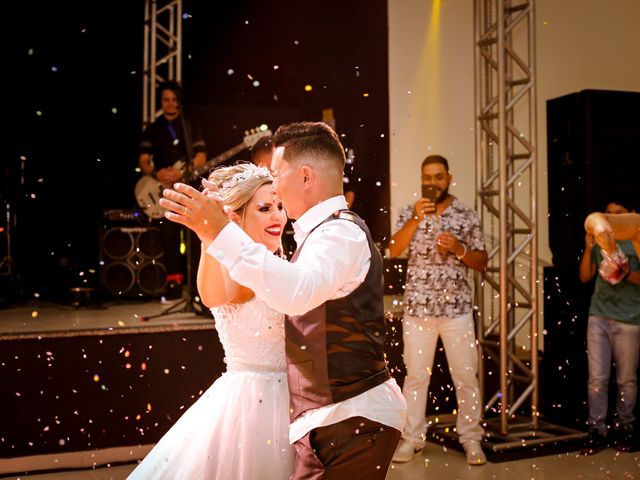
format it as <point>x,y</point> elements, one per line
<point>439,463</point>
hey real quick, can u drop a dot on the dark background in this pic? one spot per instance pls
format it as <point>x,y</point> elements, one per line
<point>592,159</point>
<point>75,110</point>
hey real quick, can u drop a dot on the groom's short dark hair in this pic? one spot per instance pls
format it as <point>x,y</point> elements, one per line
<point>313,140</point>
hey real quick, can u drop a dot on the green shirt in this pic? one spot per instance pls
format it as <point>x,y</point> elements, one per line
<point>622,301</point>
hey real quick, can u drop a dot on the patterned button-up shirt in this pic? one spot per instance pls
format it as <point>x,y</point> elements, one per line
<point>438,285</point>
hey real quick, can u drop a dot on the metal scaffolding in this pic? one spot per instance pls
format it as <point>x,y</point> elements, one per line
<point>162,51</point>
<point>506,186</point>
<point>506,174</point>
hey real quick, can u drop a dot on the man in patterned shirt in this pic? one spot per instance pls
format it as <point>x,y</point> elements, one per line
<point>444,240</point>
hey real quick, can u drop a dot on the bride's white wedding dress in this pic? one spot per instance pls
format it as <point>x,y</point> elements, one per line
<point>238,429</point>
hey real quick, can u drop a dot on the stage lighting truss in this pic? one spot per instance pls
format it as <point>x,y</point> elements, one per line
<point>506,176</point>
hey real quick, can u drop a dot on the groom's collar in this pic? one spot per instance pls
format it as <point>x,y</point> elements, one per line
<point>316,215</point>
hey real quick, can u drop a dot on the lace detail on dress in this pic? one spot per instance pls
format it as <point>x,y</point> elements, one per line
<point>252,335</point>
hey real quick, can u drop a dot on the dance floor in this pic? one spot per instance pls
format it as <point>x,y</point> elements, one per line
<point>439,463</point>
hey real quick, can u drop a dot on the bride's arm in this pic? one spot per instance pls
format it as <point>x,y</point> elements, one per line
<point>214,284</point>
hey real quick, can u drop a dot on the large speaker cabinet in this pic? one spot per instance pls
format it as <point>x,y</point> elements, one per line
<point>593,154</point>
<point>131,252</point>
<point>564,369</point>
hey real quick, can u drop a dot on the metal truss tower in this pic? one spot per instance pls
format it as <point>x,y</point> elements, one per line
<point>506,187</point>
<point>162,51</point>
<point>506,155</point>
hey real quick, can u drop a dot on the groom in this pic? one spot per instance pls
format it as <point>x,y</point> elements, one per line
<point>346,410</point>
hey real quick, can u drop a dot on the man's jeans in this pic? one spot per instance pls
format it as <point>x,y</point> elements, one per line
<point>607,339</point>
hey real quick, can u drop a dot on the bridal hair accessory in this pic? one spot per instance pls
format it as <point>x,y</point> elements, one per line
<point>251,171</point>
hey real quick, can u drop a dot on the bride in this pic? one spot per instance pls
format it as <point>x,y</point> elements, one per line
<point>238,429</point>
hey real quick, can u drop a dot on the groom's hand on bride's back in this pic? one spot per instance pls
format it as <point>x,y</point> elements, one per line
<point>201,212</point>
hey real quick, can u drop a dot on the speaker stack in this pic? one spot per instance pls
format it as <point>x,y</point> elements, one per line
<point>131,255</point>
<point>593,145</point>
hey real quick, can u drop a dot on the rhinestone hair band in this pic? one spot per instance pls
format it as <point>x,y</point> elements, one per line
<point>252,171</point>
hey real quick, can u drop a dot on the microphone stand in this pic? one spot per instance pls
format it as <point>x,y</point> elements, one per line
<point>189,305</point>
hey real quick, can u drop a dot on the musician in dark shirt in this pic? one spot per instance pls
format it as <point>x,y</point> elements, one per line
<point>163,145</point>
<point>163,141</point>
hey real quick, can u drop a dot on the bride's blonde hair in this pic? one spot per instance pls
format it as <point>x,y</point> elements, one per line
<point>238,183</point>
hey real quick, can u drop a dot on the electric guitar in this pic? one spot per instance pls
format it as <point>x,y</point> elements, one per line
<point>148,190</point>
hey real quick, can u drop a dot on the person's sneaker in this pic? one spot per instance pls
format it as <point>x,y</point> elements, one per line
<point>623,439</point>
<point>475,455</point>
<point>594,443</point>
<point>405,452</point>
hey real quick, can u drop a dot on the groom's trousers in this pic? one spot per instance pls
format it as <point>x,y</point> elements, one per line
<point>354,449</point>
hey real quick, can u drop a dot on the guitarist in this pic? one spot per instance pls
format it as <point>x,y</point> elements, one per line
<point>161,146</point>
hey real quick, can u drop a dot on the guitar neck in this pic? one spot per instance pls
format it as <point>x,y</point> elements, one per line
<point>218,159</point>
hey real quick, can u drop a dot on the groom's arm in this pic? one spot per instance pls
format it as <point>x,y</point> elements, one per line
<point>334,261</point>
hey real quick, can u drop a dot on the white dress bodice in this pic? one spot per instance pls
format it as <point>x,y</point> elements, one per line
<point>252,335</point>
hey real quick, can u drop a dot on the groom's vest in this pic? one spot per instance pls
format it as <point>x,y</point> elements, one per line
<point>335,351</point>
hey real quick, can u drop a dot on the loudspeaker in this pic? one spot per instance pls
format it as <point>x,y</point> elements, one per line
<point>565,369</point>
<point>131,259</point>
<point>593,156</point>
